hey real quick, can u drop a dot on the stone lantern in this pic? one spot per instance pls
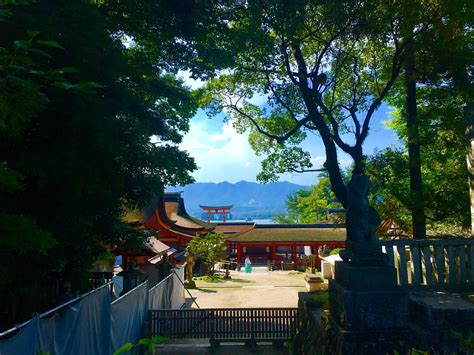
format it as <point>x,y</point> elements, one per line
<point>189,282</point>
<point>132,277</point>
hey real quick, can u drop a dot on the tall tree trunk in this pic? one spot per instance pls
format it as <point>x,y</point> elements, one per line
<point>469,121</point>
<point>414,159</point>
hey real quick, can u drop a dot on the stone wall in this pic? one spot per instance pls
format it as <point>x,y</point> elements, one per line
<point>314,335</point>
<point>430,329</point>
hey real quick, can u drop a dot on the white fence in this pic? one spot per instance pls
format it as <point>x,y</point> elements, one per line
<point>436,263</point>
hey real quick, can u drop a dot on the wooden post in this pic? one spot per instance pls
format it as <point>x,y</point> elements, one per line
<point>469,133</point>
<point>293,253</point>
<point>272,252</point>
<point>317,261</point>
<point>239,253</point>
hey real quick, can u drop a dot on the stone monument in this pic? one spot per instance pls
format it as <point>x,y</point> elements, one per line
<point>132,277</point>
<point>365,303</point>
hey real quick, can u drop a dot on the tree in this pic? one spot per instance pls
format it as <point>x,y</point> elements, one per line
<point>442,53</point>
<point>292,214</point>
<point>210,249</point>
<point>323,67</point>
<point>80,152</point>
<point>443,155</point>
<point>309,206</point>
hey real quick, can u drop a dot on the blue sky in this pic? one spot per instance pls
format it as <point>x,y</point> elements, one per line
<point>222,154</point>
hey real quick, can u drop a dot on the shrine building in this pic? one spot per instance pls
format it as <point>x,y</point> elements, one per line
<point>262,243</point>
<point>175,227</point>
<point>281,243</point>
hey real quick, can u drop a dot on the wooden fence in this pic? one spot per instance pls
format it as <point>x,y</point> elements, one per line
<point>435,263</point>
<point>226,324</point>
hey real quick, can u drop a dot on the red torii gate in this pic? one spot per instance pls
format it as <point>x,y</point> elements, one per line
<point>223,210</point>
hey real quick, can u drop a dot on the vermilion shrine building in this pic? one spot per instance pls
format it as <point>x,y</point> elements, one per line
<point>277,243</point>
<point>176,227</point>
<point>262,243</point>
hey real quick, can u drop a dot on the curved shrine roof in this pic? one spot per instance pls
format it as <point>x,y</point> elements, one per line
<point>171,209</point>
<point>291,233</point>
<point>233,228</point>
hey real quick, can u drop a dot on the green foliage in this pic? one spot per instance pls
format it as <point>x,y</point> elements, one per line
<point>466,342</point>
<point>335,251</point>
<point>124,349</point>
<point>446,194</point>
<point>318,64</point>
<point>147,343</point>
<point>322,297</point>
<point>210,248</point>
<point>78,107</point>
<point>439,61</point>
<point>309,206</point>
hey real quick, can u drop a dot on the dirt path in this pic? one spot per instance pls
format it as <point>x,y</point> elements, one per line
<point>258,289</point>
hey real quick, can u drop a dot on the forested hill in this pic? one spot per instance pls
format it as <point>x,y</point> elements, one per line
<point>250,199</point>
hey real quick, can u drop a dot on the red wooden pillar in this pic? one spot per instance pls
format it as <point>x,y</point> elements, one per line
<point>293,253</point>
<point>272,252</point>
<point>239,253</point>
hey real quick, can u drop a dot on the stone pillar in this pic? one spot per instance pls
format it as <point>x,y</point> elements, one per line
<point>469,132</point>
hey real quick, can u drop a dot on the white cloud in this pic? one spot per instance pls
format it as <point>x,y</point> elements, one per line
<point>227,156</point>
<point>192,83</point>
<point>318,161</point>
<point>224,156</point>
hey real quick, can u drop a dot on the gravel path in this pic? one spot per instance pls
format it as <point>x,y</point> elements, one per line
<point>258,289</point>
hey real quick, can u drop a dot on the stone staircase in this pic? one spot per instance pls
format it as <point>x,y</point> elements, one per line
<point>201,346</point>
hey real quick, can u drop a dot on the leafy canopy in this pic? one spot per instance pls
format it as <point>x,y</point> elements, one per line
<point>309,206</point>
<point>81,95</point>
<point>210,248</point>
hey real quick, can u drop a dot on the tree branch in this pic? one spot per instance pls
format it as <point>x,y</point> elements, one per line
<point>280,100</point>
<point>306,170</point>
<point>286,60</point>
<point>396,67</point>
<point>279,139</point>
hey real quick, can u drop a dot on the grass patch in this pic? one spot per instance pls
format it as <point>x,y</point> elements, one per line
<point>211,278</point>
<point>220,279</point>
<point>321,297</point>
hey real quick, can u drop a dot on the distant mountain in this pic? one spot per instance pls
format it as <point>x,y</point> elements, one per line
<point>250,199</point>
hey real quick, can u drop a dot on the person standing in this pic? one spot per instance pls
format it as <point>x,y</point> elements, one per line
<point>248,265</point>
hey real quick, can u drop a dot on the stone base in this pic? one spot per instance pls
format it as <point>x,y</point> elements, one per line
<point>366,298</point>
<point>368,342</point>
<point>313,283</point>
<point>365,277</point>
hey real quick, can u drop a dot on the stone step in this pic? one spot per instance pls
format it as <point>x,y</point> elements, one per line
<point>198,346</point>
<point>441,310</point>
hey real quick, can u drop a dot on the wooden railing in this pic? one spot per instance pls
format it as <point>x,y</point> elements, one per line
<point>221,324</point>
<point>434,263</point>
<point>97,279</point>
